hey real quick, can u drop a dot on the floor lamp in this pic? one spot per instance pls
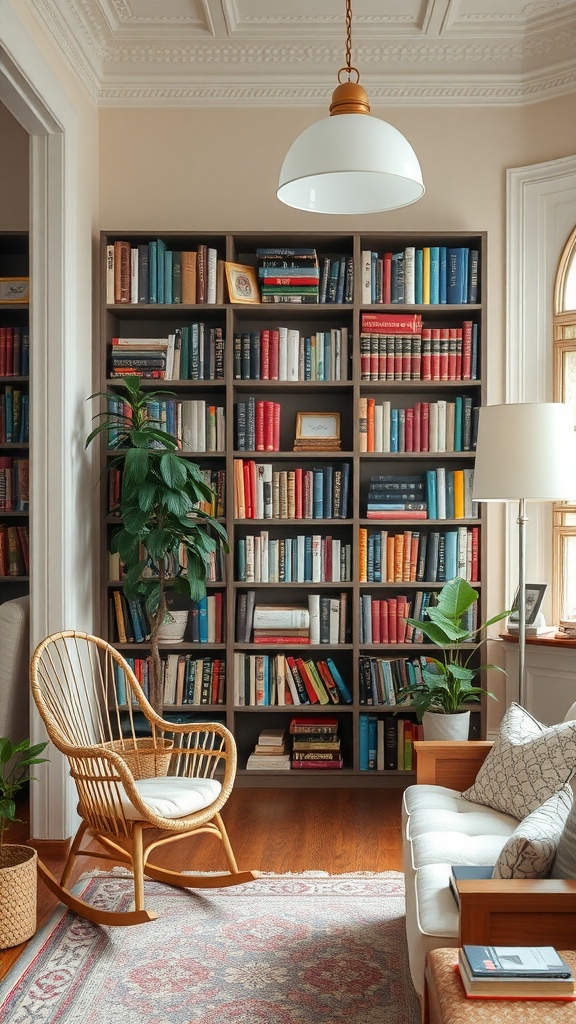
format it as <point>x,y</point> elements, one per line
<point>525,452</point>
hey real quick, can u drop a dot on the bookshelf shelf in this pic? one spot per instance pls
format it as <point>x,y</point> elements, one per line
<point>340,329</point>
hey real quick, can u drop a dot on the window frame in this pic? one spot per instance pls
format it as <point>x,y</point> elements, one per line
<point>562,319</point>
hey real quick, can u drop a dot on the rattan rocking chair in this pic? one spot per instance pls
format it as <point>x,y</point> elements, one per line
<point>138,776</point>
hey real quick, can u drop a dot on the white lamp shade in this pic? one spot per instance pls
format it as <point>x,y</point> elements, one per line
<point>525,450</point>
<point>350,163</point>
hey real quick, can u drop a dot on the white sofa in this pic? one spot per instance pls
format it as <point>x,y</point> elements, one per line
<point>441,828</point>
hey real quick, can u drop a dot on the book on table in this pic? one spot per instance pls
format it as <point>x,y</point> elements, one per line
<point>515,961</point>
<point>515,986</point>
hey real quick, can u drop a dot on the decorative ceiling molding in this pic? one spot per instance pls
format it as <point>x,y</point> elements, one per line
<point>229,51</point>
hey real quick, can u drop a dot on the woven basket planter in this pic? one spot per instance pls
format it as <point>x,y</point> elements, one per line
<point>145,759</point>
<point>17,894</point>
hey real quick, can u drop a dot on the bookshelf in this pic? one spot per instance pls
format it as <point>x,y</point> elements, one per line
<point>14,415</point>
<point>373,388</point>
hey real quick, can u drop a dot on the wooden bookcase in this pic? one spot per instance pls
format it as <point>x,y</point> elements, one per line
<point>344,396</point>
<point>14,415</point>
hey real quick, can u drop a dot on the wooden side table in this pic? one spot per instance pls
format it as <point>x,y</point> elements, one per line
<point>445,1001</point>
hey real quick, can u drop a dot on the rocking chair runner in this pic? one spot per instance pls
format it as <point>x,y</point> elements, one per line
<point>135,773</point>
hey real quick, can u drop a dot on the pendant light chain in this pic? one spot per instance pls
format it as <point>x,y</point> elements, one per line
<point>348,70</point>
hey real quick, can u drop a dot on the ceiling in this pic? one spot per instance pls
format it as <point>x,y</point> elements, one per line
<point>269,52</point>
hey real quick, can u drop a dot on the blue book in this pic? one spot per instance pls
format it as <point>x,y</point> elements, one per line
<point>343,510</point>
<point>120,680</point>
<point>153,272</point>
<point>394,430</point>
<point>328,472</point>
<point>449,489</point>
<point>363,742</point>
<point>455,280</point>
<point>451,553</point>
<point>374,260</point>
<point>307,358</point>
<point>431,494</point>
<point>341,280</point>
<point>344,691</point>
<point>160,270</point>
<point>168,276</point>
<point>241,559</point>
<point>203,620</point>
<point>318,494</point>
<point>418,272</point>
<point>434,275</point>
<point>372,742</point>
<point>377,557</point>
<point>458,403</point>
<point>443,268</point>
<point>307,559</point>
<point>327,356</point>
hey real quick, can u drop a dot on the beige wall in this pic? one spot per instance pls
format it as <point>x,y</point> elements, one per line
<point>14,174</point>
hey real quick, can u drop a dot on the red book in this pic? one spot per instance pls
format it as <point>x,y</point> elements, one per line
<point>390,355</point>
<point>274,352</point>
<point>3,344</point>
<point>409,430</point>
<point>393,323</point>
<point>248,512</point>
<point>375,607</point>
<point>452,354</point>
<point>413,513</point>
<point>298,510</point>
<point>215,681</point>
<point>393,620</point>
<point>9,351</point>
<point>265,354</point>
<point>218,606</point>
<point>444,352</point>
<point>305,677</point>
<point>313,723</point>
<point>459,343</point>
<point>334,763</point>
<point>475,553</point>
<point>280,639</point>
<point>417,428</point>
<point>292,665</point>
<point>435,353</point>
<point>426,360</point>
<point>269,426</point>
<point>260,427</point>
<point>252,490</point>
<point>424,426</point>
<point>287,281</point>
<point>276,426</point>
<point>327,559</point>
<point>466,350</point>
<point>384,632</point>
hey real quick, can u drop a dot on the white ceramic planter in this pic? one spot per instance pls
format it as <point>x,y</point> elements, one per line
<point>174,629</point>
<point>446,727</point>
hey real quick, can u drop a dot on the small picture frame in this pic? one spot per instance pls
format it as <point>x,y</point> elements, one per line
<point>14,290</point>
<point>534,597</point>
<point>317,431</point>
<point>242,283</point>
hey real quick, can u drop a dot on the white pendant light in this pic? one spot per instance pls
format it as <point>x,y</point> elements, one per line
<point>350,162</point>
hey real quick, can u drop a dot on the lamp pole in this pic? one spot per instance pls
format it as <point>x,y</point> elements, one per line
<point>522,520</point>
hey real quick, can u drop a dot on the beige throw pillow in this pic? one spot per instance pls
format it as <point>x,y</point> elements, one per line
<point>528,763</point>
<point>531,849</point>
<point>565,864</point>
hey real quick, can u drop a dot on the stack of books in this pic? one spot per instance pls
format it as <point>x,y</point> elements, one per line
<point>288,274</point>
<point>566,629</point>
<point>315,742</point>
<point>281,623</point>
<point>396,497</point>
<point>271,752</point>
<point>515,972</point>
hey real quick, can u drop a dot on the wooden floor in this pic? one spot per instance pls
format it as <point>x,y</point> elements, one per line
<point>337,830</point>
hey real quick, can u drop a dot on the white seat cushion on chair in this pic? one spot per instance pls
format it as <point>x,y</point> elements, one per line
<point>173,797</point>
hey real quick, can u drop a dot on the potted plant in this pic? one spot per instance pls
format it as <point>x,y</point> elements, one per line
<point>448,681</point>
<point>17,862</point>
<point>161,524</point>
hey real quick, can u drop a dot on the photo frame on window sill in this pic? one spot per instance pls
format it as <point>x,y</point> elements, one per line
<point>534,596</point>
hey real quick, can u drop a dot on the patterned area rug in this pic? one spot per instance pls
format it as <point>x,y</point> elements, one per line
<point>285,949</point>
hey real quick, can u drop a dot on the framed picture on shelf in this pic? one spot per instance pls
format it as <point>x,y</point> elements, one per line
<point>242,283</point>
<point>534,597</point>
<point>14,289</point>
<point>318,431</point>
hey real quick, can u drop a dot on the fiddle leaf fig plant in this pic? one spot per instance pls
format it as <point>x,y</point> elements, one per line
<point>15,763</point>
<point>162,525</point>
<point>448,680</point>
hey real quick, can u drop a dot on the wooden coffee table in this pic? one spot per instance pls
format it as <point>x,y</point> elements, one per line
<point>445,1001</point>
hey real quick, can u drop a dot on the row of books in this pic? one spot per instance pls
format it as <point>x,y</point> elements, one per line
<point>186,679</point>
<point>441,426</point>
<point>14,415</point>
<point>435,274</point>
<point>14,484</point>
<point>197,425</point>
<point>174,564</point>
<point>398,347</point>
<point>270,752</point>
<point>306,558</point>
<point>380,679</point>
<point>386,743</point>
<point>284,679</point>
<point>193,352</point>
<point>439,493</point>
<point>214,478</point>
<point>14,351</point>
<point>383,620</point>
<point>316,743</point>
<point>257,425</point>
<point>129,619</point>
<point>151,273</point>
<point>14,550</point>
<point>324,620</point>
<point>261,492</point>
<point>284,353</point>
<point>418,556</point>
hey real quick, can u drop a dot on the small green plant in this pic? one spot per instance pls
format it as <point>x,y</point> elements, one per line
<point>447,682</point>
<point>160,492</point>
<point>15,764</point>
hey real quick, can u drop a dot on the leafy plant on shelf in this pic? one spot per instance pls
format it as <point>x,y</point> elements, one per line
<point>158,506</point>
<point>448,681</point>
<point>15,763</point>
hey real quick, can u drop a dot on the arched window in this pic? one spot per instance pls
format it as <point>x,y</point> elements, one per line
<point>565,391</point>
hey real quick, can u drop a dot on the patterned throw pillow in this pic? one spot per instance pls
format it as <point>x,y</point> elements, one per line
<point>528,763</point>
<point>531,849</point>
<point>565,864</point>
